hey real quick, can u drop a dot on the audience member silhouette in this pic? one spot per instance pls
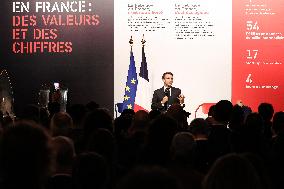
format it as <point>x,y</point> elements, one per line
<point>203,157</point>
<point>183,153</point>
<point>158,141</point>
<point>53,108</point>
<point>237,118</point>
<point>121,126</point>
<point>131,144</point>
<point>266,111</point>
<point>176,112</point>
<point>61,124</point>
<point>210,118</point>
<point>140,122</point>
<point>261,168</point>
<point>25,156</point>
<point>183,148</point>
<point>31,112</point>
<point>277,152</point>
<point>64,154</point>
<point>90,170</point>
<point>278,123</point>
<point>234,172</point>
<point>150,178</point>
<point>250,138</point>
<point>102,142</point>
<point>91,106</point>
<point>44,118</point>
<point>219,133</point>
<point>153,114</point>
<point>128,112</point>
<point>77,112</point>
<point>100,118</point>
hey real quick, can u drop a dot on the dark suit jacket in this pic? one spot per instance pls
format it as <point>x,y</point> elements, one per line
<point>159,95</point>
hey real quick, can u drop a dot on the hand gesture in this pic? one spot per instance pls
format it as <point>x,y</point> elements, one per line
<point>240,103</point>
<point>181,98</point>
<point>165,99</point>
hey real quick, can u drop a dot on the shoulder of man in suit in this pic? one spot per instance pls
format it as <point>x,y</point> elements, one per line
<point>159,90</point>
<point>175,88</point>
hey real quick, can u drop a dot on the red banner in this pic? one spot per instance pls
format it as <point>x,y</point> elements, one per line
<point>258,46</point>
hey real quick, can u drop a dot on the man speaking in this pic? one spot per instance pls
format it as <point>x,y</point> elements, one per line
<point>164,97</point>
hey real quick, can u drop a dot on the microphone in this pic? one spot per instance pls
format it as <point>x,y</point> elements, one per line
<point>167,92</point>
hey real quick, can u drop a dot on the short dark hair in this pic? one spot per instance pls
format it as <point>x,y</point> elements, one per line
<point>31,143</point>
<point>266,110</point>
<point>164,74</point>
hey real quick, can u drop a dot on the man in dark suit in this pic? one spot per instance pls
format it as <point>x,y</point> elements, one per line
<point>164,97</point>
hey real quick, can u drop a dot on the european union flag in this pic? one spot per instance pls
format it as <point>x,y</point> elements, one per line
<point>131,85</point>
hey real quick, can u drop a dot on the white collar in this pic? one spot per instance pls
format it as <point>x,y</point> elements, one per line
<point>170,88</point>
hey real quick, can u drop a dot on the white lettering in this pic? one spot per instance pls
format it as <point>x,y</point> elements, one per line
<point>68,6</point>
<point>21,7</point>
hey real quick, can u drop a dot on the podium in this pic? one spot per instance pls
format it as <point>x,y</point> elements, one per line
<point>49,93</point>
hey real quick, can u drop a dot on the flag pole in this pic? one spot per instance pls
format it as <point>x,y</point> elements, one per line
<point>131,42</point>
<point>143,41</point>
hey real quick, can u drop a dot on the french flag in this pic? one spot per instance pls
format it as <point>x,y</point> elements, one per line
<point>144,92</point>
